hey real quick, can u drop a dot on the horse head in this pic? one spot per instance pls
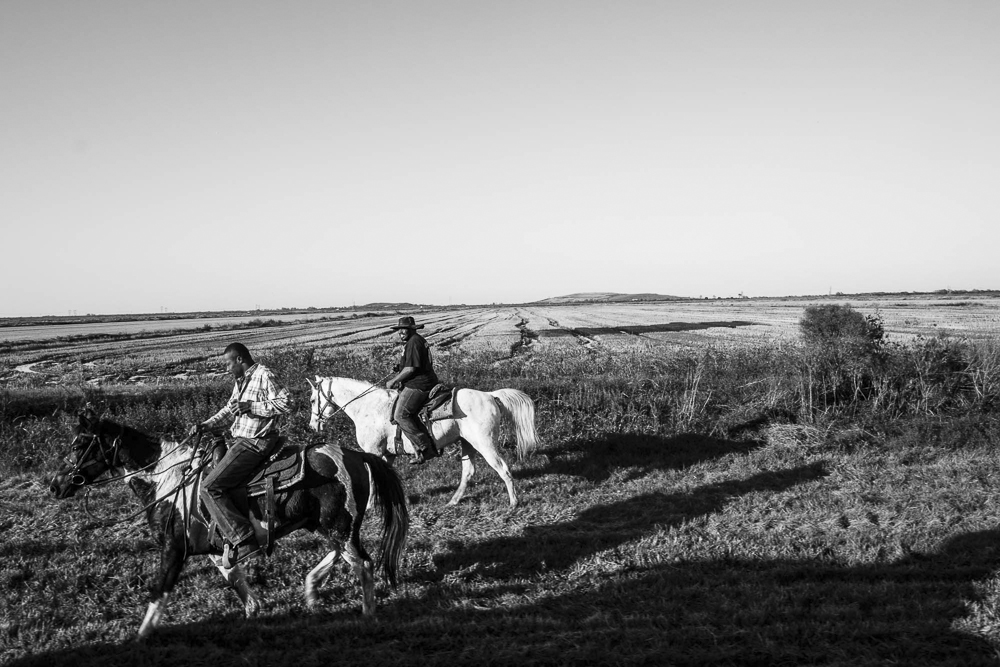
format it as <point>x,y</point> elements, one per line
<point>100,446</point>
<point>93,453</point>
<point>321,404</point>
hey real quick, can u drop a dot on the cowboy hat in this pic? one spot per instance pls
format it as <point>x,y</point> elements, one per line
<point>406,322</point>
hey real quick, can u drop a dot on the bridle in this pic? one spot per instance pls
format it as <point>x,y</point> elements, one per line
<point>327,396</point>
<point>109,458</point>
<point>107,454</point>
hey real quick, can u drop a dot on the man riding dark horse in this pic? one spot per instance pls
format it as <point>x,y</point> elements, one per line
<point>254,408</point>
<point>415,380</point>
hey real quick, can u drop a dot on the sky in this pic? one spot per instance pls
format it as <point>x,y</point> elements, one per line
<point>227,155</point>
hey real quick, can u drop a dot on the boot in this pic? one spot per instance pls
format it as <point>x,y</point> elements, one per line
<point>426,450</point>
<point>423,456</point>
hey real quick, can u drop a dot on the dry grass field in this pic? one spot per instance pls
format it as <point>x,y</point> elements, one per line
<point>704,494</point>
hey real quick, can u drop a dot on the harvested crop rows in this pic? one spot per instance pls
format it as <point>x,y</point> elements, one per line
<point>502,329</point>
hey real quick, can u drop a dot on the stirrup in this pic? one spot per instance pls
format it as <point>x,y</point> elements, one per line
<point>229,556</point>
<point>232,554</point>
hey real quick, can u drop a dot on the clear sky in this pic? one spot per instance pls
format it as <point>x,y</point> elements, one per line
<point>232,154</point>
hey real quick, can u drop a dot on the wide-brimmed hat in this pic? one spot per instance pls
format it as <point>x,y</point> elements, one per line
<point>406,322</point>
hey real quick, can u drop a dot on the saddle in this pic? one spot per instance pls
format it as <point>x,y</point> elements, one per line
<point>283,470</point>
<point>438,406</point>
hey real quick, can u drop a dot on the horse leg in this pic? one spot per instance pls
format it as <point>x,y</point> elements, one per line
<point>468,470</point>
<point>318,576</point>
<point>237,579</point>
<point>485,446</point>
<point>171,562</point>
<point>359,561</point>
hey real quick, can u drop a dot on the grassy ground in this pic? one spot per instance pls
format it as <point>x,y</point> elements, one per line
<point>686,508</point>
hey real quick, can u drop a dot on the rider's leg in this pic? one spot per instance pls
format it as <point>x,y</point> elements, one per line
<point>407,407</point>
<point>234,470</point>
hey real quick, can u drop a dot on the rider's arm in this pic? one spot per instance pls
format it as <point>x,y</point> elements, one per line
<point>410,356</point>
<point>404,375</point>
<point>223,417</point>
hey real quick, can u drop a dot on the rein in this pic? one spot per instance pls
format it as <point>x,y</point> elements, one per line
<point>328,396</point>
<point>111,463</point>
<point>186,477</point>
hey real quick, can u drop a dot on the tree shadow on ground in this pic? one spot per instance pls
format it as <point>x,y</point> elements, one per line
<point>732,612</point>
<point>558,546</point>
<point>628,455</point>
<point>595,459</point>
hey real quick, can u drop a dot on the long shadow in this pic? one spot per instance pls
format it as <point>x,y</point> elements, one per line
<point>595,459</point>
<point>557,546</point>
<point>639,329</point>
<point>733,612</point>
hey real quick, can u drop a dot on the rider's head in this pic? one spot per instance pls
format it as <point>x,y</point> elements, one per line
<point>238,359</point>
<point>406,327</point>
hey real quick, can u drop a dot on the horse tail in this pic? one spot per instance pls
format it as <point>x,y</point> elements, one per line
<point>387,493</point>
<point>520,409</point>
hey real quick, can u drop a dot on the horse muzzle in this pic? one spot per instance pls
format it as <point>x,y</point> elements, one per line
<point>64,486</point>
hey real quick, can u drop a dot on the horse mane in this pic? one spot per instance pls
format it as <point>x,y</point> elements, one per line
<point>171,456</point>
<point>169,471</point>
<point>360,387</point>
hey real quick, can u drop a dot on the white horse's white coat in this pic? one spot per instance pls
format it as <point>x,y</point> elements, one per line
<point>478,419</point>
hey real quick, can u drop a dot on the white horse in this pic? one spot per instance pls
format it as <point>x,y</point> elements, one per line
<point>478,416</point>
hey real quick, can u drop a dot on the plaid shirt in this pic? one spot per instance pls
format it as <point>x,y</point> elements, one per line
<point>268,401</point>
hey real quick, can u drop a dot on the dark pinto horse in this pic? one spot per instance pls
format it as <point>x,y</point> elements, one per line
<point>331,499</point>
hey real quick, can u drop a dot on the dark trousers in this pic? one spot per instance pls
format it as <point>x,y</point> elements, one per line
<point>235,469</point>
<point>407,407</point>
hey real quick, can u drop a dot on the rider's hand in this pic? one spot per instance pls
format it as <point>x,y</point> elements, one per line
<point>243,408</point>
<point>195,430</point>
<point>391,384</point>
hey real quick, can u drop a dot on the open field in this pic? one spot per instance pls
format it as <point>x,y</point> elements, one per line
<point>103,353</point>
<point>691,503</point>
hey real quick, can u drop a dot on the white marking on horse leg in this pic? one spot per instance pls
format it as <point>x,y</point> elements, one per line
<point>237,579</point>
<point>363,571</point>
<point>468,470</point>
<point>317,577</point>
<point>153,615</point>
<point>371,489</point>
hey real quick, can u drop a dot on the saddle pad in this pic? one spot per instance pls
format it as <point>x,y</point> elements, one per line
<point>288,469</point>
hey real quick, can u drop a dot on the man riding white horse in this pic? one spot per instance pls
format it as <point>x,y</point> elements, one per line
<point>415,380</point>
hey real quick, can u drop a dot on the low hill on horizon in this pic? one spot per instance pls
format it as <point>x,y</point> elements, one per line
<point>611,297</point>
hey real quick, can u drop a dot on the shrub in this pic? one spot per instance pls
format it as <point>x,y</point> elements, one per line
<point>843,351</point>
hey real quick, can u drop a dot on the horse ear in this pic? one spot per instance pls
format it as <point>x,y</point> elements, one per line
<point>311,383</point>
<point>87,415</point>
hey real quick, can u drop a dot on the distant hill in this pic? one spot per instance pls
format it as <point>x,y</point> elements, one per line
<point>610,297</point>
<point>394,305</point>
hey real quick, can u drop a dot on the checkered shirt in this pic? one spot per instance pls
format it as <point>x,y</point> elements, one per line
<point>268,401</point>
